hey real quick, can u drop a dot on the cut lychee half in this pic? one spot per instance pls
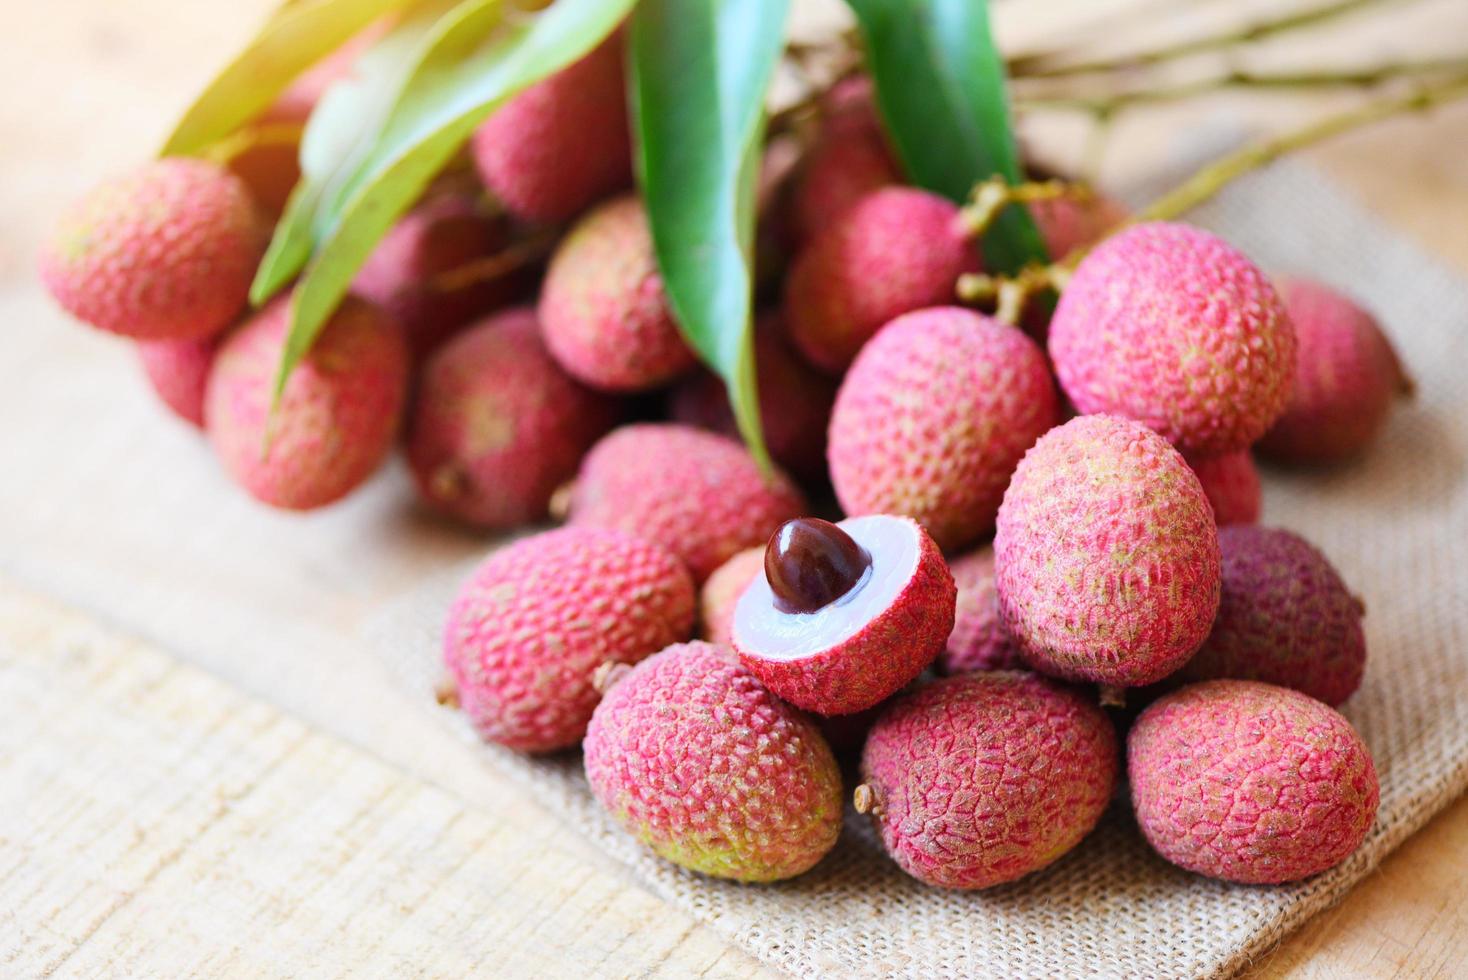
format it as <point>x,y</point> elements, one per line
<point>845,614</point>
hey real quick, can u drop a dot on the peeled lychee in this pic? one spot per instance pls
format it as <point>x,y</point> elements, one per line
<point>562,143</point>
<point>337,417</point>
<point>1106,554</point>
<point>179,373</point>
<point>1285,617</point>
<point>536,619</point>
<point>603,308</point>
<point>978,640</point>
<point>700,495</point>
<point>1250,782</point>
<point>1347,377</point>
<point>848,159</point>
<point>934,416</point>
<point>165,253</point>
<point>1171,326</point>
<point>981,779</point>
<point>845,614</point>
<point>721,593</point>
<point>699,761</point>
<point>498,427</point>
<point>896,250</point>
<point>1231,483</point>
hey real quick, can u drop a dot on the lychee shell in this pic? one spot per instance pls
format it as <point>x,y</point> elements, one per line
<point>178,370</point>
<point>978,640</point>
<point>848,159</point>
<point>1231,483</point>
<point>721,593</point>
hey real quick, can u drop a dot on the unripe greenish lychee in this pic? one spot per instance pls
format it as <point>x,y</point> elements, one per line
<point>178,370</point>
<point>896,250</point>
<point>533,623</point>
<point>1106,554</point>
<point>603,308</point>
<point>934,416</point>
<point>1285,617</point>
<point>1346,379</point>
<point>721,593</point>
<point>694,757</point>
<point>1250,782</point>
<point>700,495</point>
<point>1231,483</point>
<point>164,253</point>
<point>1171,326</point>
<point>976,780</point>
<point>563,143</point>
<point>848,159</point>
<point>497,426</point>
<point>337,417</point>
<point>978,640</point>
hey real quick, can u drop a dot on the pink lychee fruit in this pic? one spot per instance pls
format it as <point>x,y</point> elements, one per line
<point>498,427</point>
<point>1172,326</point>
<point>1069,223</point>
<point>694,757</point>
<point>981,779</point>
<point>1285,617</point>
<point>896,250</point>
<point>1250,782</point>
<point>845,615</point>
<point>1106,554</point>
<point>721,593</point>
<point>336,419</point>
<point>534,622</point>
<point>1347,376</point>
<point>848,159</point>
<point>934,416</point>
<point>1231,483</point>
<point>164,253</point>
<point>603,308</point>
<point>562,143</point>
<point>978,640</point>
<point>178,370</point>
<point>267,159</point>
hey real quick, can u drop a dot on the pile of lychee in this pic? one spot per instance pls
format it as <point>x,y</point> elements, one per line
<point>1105,449</point>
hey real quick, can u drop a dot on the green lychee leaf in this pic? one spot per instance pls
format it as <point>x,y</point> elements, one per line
<point>700,71</point>
<point>941,90</point>
<point>451,77</point>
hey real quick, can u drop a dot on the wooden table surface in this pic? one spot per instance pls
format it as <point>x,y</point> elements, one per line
<point>204,771</point>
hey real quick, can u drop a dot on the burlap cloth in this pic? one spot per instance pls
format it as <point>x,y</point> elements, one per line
<point>1395,524</point>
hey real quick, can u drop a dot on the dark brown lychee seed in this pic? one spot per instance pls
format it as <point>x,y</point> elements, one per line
<point>810,563</point>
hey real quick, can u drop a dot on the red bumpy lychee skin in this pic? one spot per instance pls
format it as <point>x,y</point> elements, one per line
<point>1346,379</point>
<point>896,250</point>
<point>561,144</point>
<point>1106,554</point>
<point>700,495</point>
<point>337,417</point>
<point>1285,617</point>
<point>1231,483</point>
<point>1172,326</point>
<point>695,758</point>
<point>536,619</point>
<point>179,372</point>
<point>978,640</point>
<point>981,779</point>
<point>847,161</point>
<point>945,456</point>
<point>603,308</point>
<point>721,593</point>
<point>165,253</point>
<point>1250,782</point>
<point>498,427</point>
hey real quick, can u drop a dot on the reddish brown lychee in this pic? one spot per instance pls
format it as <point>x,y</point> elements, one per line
<point>978,640</point>
<point>1231,483</point>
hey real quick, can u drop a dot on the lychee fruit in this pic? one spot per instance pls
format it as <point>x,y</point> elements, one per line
<point>1231,483</point>
<point>721,593</point>
<point>976,780</point>
<point>1285,617</point>
<point>602,306</point>
<point>934,416</point>
<point>848,159</point>
<point>178,370</point>
<point>1170,325</point>
<point>700,495</point>
<point>267,159</point>
<point>337,417</point>
<point>896,250</point>
<point>498,427</point>
<point>1250,782</point>
<point>1106,554</point>
<point>694,757</point>
<point>1069,223</point>
<point>978,640</point>
<point>164,253</point>
<point>534,622</point>
<point>1346,378</point>
<point>561,144</point>
<point>846,614</point>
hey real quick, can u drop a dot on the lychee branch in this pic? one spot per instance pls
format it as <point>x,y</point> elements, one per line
<point>990,197</point>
